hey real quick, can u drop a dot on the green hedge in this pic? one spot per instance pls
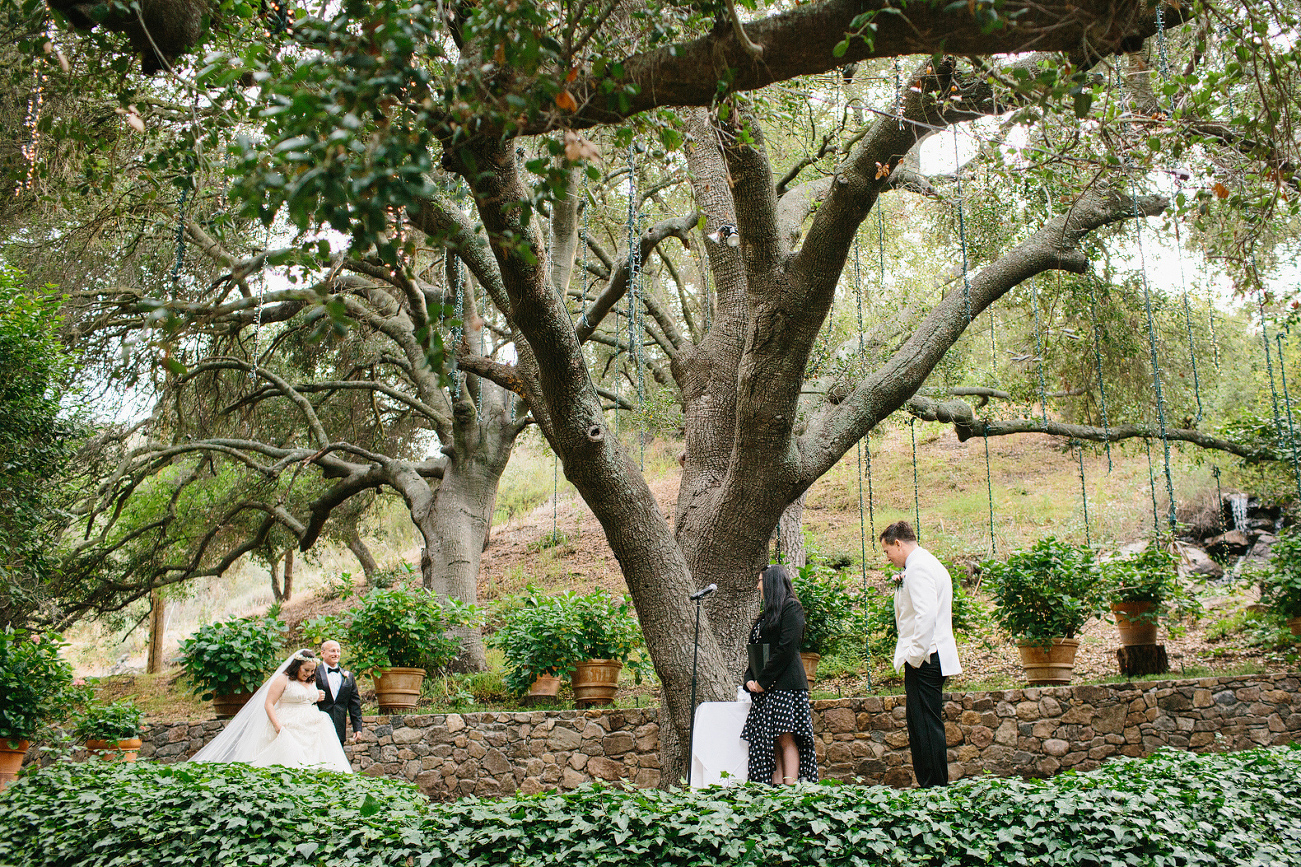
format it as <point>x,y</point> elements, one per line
<point>1173,809</point>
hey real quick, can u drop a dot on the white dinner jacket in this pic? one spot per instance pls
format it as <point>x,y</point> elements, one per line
<point>923,611</point>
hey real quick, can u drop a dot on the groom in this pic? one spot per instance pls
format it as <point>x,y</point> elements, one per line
<point>342,700</point>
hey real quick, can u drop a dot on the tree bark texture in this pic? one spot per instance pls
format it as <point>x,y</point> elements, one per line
<point>1138,660</point>
<point>461,513</point>
<point>361,551</point>
<point>157,630</point>
<point>790,535</point>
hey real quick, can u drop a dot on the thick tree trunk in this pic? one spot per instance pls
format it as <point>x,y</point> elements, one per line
<point>790,535</point>
<point>1142,659</point>
<point>724,553</point>
<point>456,526</point>
<point>569,410</point>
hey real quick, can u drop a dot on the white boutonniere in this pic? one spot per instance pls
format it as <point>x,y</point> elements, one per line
<point>346,674</point>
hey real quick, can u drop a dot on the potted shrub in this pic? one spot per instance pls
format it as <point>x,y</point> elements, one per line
<point>608,637</point>
<point>1043,596</point>
<point>538,638</point>
<point>1140,590</point>
<point>398,633</point>
<point>110,730</point>
<point>227,662</point>
<point>1280,586</point>
<point>828,613</point>
<point>34,679</point>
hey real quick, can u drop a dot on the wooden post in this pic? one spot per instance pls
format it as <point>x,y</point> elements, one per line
<point>157,619</point>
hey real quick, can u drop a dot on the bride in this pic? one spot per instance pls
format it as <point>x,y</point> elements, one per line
<point>281,725</point>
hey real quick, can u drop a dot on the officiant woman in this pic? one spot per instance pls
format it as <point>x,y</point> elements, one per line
<point>779,728</point>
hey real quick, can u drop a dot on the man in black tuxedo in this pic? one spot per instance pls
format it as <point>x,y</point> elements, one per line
<point>342,699</point>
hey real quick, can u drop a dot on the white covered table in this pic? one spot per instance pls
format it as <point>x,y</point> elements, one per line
<point>718,755</point>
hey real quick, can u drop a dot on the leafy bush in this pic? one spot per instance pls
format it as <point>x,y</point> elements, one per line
<point>339,587</point>
<point>1174,808</point>
<point>34,680</point>
<point>397,626</point>
<point>1280,587</point>
<point>39,436</point>
<point>547,634</point>
<point>1151,575</point>
<point>186,815</point>
<point>829,609</point>
<point>232,657</point>
<point>970,615</point>
<point>607,629</point>
<point>1263,631</point>
<point>1048,591</point>
<point>108,722</point>
<point>1147,576</point>
<point>537,636</point>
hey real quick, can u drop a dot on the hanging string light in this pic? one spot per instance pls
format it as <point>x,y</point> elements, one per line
<point>30,151</point>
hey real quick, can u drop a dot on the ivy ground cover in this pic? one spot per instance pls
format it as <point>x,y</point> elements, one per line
<point>1172,809</point>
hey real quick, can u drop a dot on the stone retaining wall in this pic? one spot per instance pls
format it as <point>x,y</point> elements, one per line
<point>1030,732</point>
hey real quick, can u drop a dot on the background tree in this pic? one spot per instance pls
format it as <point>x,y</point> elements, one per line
<point>38,440</point>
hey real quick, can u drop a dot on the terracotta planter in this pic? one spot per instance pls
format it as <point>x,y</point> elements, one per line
<point>1136,622</point>
<point>227,705</point>
<point>1049,666</point>
<point>546,686</point>
<point>11,761</point>
<point>810,661</point>
<point>398,689</point>
<point>124,750</point>
<point>595,682</point>
<point>1294,623</point>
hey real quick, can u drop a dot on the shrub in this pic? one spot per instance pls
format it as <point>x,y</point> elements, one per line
<point>108,722</point>
<point>1280,587</point>
<point>829,609</point>
<point>1174,808</point>
<point>550,540</point>
<point>397,626</point>
<point>1047,591</point>
<point>34,680</point>
<point>538,635</point>
<point>232,657</point>
<point>607,629</point>
<point>970,616</point>
<point>1151,575</point>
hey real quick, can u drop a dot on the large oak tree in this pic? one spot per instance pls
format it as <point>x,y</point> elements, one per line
<point>368,111</point>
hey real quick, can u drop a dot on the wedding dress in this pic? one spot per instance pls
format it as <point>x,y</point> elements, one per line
<point>307,736</point>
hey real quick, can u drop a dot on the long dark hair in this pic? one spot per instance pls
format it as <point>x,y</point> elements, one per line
<point>776,590</point>
<point>305,656</point>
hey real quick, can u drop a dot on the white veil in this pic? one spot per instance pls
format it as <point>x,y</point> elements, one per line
<point>250,731</point>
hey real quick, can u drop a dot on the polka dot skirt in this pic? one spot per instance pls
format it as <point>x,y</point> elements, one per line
<point>773,713</point>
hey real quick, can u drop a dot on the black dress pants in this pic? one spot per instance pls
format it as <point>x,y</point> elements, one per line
<point>924,708</point>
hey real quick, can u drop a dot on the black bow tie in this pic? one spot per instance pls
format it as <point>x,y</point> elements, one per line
<point>332,670</point>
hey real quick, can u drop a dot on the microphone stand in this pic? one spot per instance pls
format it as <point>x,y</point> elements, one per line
<point>695,658</point>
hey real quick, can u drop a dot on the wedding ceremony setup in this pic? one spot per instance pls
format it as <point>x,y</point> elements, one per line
<point>518,432</point>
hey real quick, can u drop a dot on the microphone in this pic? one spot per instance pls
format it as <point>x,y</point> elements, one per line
<point>703,592</point>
